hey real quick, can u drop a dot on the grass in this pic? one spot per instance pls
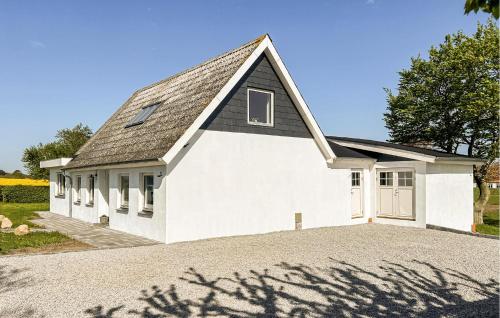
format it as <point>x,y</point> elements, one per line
<point>10,242</point>
<point>21,213</point>
<point>491,214</point>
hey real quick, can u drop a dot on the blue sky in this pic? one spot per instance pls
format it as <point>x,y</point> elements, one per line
<point>64,62</point>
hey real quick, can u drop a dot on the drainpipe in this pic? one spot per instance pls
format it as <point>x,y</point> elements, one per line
<point>70,195</point>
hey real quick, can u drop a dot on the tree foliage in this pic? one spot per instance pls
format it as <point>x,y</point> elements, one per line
<point>488,6</point>
<point>66,144</point>
<point>450,100</point>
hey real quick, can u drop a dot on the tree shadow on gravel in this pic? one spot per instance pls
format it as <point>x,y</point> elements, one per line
<point>340,290</point>
<point>13,278</point>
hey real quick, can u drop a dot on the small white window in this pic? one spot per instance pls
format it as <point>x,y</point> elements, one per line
<point>124,191</point>
<point>90,190</point>
<point>78,189</point>
<point>386,178</point>
<point>260,107</point>
<point>148,191</point>
<point>405,179</point>
<point>355,179</point>
<point>61,184</point>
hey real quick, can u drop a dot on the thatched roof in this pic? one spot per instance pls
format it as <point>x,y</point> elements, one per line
<point>182,98</point>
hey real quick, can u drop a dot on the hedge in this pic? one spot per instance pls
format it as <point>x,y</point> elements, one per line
<point>24,194</point>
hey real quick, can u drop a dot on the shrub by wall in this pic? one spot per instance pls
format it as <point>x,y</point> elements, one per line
<point>24,194</point>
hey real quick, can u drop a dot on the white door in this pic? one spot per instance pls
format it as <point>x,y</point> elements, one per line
<point>356,193</point>
<point>405,194</point>
<point>386,193</point>
<point>395,193</point>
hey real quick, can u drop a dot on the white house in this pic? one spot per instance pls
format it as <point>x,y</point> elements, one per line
<point>230,147</point>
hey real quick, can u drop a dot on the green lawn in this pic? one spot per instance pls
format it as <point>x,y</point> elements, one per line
<point>491,214</point>
<point>10,242</point>
<point>21,213</point>
<point>494,196</point>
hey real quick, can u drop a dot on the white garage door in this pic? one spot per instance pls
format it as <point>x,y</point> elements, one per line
<point>395,192</point>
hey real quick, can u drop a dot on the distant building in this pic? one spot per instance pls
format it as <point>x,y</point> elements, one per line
<point>493,178</point>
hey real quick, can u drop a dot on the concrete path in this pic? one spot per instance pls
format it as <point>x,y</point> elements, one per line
<point>98,236</point>
<point>368,270</point>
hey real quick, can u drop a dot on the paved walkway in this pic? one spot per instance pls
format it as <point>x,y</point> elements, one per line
<point>98,236</point>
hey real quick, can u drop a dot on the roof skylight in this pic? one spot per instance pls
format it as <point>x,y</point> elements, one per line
<point>142,115</point>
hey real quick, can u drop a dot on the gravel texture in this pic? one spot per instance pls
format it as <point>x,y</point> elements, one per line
<point>357,271</point>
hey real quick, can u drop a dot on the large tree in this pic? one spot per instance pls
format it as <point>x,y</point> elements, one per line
<point>66,144</point>
<point>488,6</point>
<point>450,101</point>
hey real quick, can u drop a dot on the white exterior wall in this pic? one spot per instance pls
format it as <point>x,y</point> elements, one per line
<point>235,183</point>
<point>419,193</point>
<point>449,194</point>
<point>151,227</point>
<point>82,211</point>
<point>58,205</point>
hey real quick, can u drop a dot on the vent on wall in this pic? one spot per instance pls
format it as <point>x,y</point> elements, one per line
<point>298,221</point>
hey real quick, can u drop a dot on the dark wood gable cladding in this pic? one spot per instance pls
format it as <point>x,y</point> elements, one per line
<point>231,115</point>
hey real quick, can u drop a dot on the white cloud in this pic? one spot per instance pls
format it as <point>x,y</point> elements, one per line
<point>37,44</point>
<point>370,1</point>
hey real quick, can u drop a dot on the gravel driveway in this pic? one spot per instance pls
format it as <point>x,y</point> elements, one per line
<point>358,271</point>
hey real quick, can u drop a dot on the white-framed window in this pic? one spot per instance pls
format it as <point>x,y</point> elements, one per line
<point>260,107</point>
<point>148,191</point>
<point>405,179</point>
<point>355,178</point>
<point>124,191</point>
<point>78,189</point>
<point>90,190</point>
<point>60,184</point>
<point>385,178</point>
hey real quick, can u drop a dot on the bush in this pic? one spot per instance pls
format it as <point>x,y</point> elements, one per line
<point>24,194</point>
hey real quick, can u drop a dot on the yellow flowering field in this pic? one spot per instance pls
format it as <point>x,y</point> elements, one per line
<point>28,182</point>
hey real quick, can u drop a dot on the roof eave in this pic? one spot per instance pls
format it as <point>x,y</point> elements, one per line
<point>55,163</point>
<point>387,151</point>
<point>460,161</point>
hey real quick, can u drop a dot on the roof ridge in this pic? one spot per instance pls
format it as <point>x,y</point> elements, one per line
<point>220,56</point>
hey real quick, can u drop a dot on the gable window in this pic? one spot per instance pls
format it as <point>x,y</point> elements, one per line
<point>78,189</point>
<point>124,191</point>
<point>260,107</point>
<point>61,184</point>
<point>90,190</point>
<point>148,191</point>
<point>143,114</point>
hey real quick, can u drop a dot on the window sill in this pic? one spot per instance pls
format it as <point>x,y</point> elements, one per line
<point>146,213</point>
<point>357,216</point>
<point>89,205</point>
<point>77,202</point>
<point>260,124</point>
<point>59,196</point>
<point>122,210</point>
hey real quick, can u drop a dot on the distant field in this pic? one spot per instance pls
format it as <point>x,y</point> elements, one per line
<point>26,182</point>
